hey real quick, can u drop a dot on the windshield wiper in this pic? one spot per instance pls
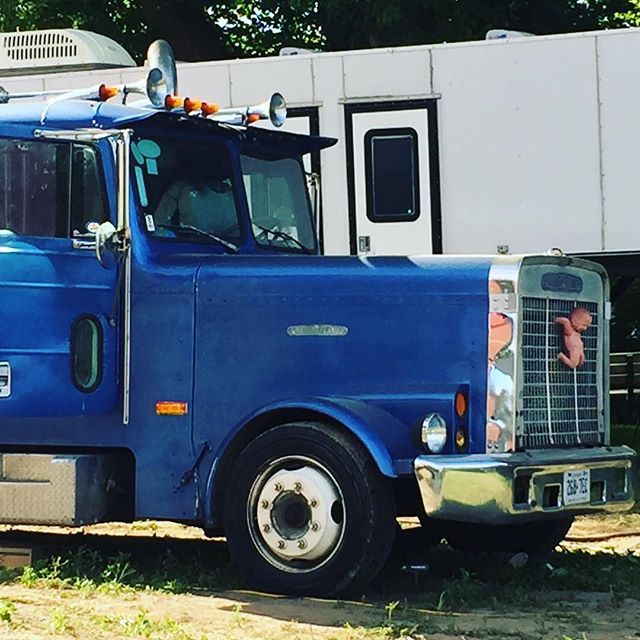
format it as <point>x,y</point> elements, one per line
<point>189,227</point>
<point>286,237</point>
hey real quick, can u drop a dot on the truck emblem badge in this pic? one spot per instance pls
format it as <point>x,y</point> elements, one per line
<point>322,330</point>
<point>577,323</point>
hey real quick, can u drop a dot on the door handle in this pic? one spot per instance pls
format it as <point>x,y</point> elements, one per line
<point>83,241</point>
<point>5,379</point>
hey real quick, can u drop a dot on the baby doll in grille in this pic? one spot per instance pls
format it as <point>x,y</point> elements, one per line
<point>573,327</point>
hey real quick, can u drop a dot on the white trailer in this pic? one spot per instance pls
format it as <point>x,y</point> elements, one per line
<point>512,145</point>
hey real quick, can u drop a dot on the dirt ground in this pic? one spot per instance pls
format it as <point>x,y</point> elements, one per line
<point>396,606</point>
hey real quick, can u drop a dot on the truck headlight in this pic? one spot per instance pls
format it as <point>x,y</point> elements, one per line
<point>434,432</point>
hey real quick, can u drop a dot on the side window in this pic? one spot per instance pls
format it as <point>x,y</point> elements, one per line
<point>34,192</point>
<point>49,189</point>
<point>86,353</point>
<point>392,175</point>
<point>88,198</point>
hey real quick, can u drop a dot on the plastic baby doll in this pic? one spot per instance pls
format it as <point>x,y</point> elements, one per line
<point>572,327</point>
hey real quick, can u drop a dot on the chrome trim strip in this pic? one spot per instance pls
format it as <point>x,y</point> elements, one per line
<point>575,405</point>
<point>548,373</point>
<point>502,354</point>
<point>481,488</point>
<point>123,155</point>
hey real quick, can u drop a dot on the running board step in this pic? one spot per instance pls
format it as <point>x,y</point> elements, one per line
<point>69,490</point>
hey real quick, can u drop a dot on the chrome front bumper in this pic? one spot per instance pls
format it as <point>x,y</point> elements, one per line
<point>509,487</point>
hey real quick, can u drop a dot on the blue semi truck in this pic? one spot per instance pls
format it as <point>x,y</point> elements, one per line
<point>173,346</point>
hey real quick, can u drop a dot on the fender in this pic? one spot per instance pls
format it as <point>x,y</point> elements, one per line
<point>386,439</point>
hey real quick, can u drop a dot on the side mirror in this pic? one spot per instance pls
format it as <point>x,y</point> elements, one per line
<point>107,244</point>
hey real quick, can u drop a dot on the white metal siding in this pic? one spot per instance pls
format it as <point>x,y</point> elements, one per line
<point>388,73</point>
<point>519,147</point>
<point>619,65</point>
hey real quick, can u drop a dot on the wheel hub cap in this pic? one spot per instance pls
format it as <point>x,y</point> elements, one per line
<point>299,514</point>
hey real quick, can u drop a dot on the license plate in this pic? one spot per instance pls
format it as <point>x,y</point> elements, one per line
<point>577,486</point>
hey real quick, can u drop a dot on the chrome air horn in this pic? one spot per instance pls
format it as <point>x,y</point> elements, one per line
<point>161,81</point>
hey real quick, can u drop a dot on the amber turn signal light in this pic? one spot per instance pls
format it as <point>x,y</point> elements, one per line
<point>253,117</point>
<point>192,105</point>
<point>461,439</point>
<point>105,92</point>
<point>171,408</point>
<point>173,102</point>
<point>461,404</point>
<point>209,108</point>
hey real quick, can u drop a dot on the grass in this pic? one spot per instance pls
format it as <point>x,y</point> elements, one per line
<point>457,583</point>
<point>88,569</point>
<point>400,605</point>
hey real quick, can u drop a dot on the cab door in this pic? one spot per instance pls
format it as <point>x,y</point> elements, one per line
<point>58,311</point>
<point>394,190</point>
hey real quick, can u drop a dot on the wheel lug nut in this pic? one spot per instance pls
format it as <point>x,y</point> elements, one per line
<point>315,526</point>
<point>264,504</point>
<point>297,486</point>
<point>278,487</point>
<point>313,502</point>
<point>266,528</point>
<point>302,544</point>
<point>281,544</point>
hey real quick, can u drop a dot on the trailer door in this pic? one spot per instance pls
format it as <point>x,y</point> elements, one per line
<point>58,334</point>
<point>394,191</point>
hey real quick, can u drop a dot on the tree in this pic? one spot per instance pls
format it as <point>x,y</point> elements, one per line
<point>206,29</point>
<point>375,23</point>
<point>628,18</point>
<point>189,25</point>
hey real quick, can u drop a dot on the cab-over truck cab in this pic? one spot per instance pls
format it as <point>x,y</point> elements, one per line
<point>173,346</point>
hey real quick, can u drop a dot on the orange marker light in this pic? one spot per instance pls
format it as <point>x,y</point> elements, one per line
<point>170,408</point>
<point>209,108</point>
<point>105,92</point>
<point>461,404</point>
<point>254,117</point>
<point>173,102</point>
<point>192,105</point>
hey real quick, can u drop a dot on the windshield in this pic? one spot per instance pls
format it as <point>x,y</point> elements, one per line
<point>278,202</point>
<point>185,189</point>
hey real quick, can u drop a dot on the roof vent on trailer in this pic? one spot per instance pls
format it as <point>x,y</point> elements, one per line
<point>27,52</point>
<point>505,34</point>
<point>296,51</point>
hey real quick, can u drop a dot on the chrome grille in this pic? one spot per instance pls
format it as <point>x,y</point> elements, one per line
<point>560,406</point>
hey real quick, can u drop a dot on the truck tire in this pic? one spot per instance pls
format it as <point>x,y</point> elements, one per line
<point>307,512</point>
<point>532,537</point>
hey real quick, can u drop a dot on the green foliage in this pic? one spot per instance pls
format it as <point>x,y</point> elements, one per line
<point>262,27</point>
<point>205,29</point>
<point>60,622</point>
<point>7,609</point>
<point>628,18</point>
<point>141,625</point>
<point>88,569</point>
<point>377,23</point>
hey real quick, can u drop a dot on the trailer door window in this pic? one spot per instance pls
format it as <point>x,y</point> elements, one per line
<point>392,175</point>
